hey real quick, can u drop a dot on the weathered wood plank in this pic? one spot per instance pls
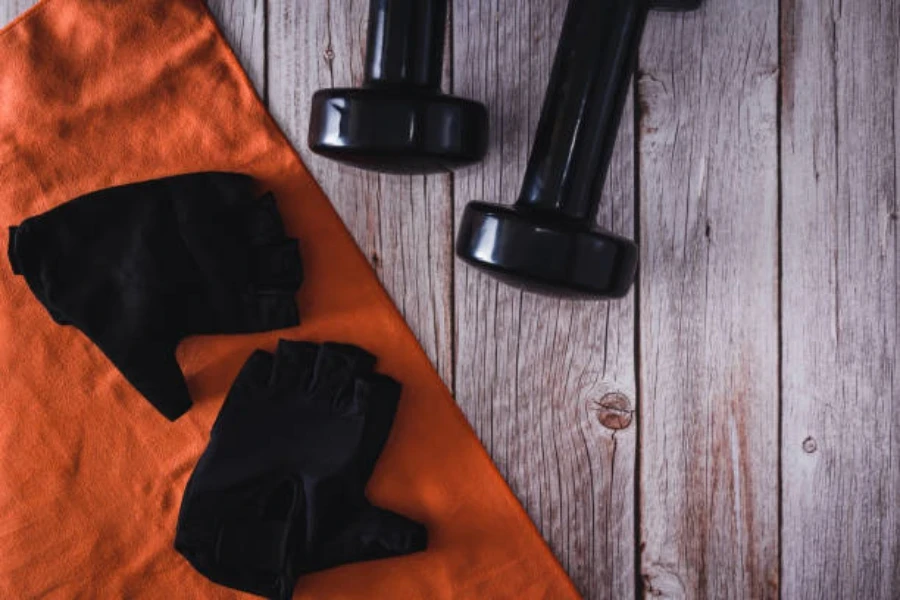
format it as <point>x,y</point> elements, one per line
<point>404,224</point>
<point>708,302</point>
<point>532,372</point>
<point>244,25</point>
<point>841,265</point>
<point>10,9</point>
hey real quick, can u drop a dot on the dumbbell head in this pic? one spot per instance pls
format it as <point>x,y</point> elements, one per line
<point>399,121</point>
<point>545,252</point>
<point>676,5</point>
<point>397,130</point>
<point>548,241</point>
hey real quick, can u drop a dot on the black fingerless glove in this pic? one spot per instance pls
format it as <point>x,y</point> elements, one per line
<point>280,489</point>
<point>138,268</point>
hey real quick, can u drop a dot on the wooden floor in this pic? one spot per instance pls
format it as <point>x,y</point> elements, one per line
<point>732,428</point>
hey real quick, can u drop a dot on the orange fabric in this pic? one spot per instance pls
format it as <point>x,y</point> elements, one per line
<point>95,93</point>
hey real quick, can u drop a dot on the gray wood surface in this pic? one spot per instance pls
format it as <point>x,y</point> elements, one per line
<point>841,265</point>
<point>533,374</point>
<point>730,429</point>
<point>10,9</point>
<point>403,224</point>
<point>709,302</point>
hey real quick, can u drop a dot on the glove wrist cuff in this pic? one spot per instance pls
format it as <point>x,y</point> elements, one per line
<point>252,546</point>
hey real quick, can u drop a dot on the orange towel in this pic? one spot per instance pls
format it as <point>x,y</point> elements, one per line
<point>95,93</point>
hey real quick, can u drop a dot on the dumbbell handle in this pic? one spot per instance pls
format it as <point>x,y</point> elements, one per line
<point>585,97</point>
<point>405,43</point>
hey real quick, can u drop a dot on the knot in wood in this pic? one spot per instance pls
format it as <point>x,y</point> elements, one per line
<point>810,445</point>
<point>614,411</point>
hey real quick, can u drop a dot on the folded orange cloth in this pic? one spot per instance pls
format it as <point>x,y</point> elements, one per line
<point>96,93</point>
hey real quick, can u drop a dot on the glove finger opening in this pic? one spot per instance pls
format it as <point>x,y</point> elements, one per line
<point>294,364</point>
<point>336,367</point>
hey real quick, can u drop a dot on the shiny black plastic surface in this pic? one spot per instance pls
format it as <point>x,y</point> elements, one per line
<point>548,241</point>
<point>405,43</point>
<point>555,256</point>
<point>580,117</point>
<point>676,5</point>
<point>393,131</point>
<point>399,121</point>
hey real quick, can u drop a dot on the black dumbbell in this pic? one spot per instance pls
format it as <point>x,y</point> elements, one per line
<point>548,241</point>
<point>399,121</point>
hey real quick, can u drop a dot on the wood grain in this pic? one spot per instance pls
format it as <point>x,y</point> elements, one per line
<point>708,302</point>
<point>402,223</point>
<point>533,374</point>
<point>841,421</point>
<point>764,381</point>
<point>10,9</point>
